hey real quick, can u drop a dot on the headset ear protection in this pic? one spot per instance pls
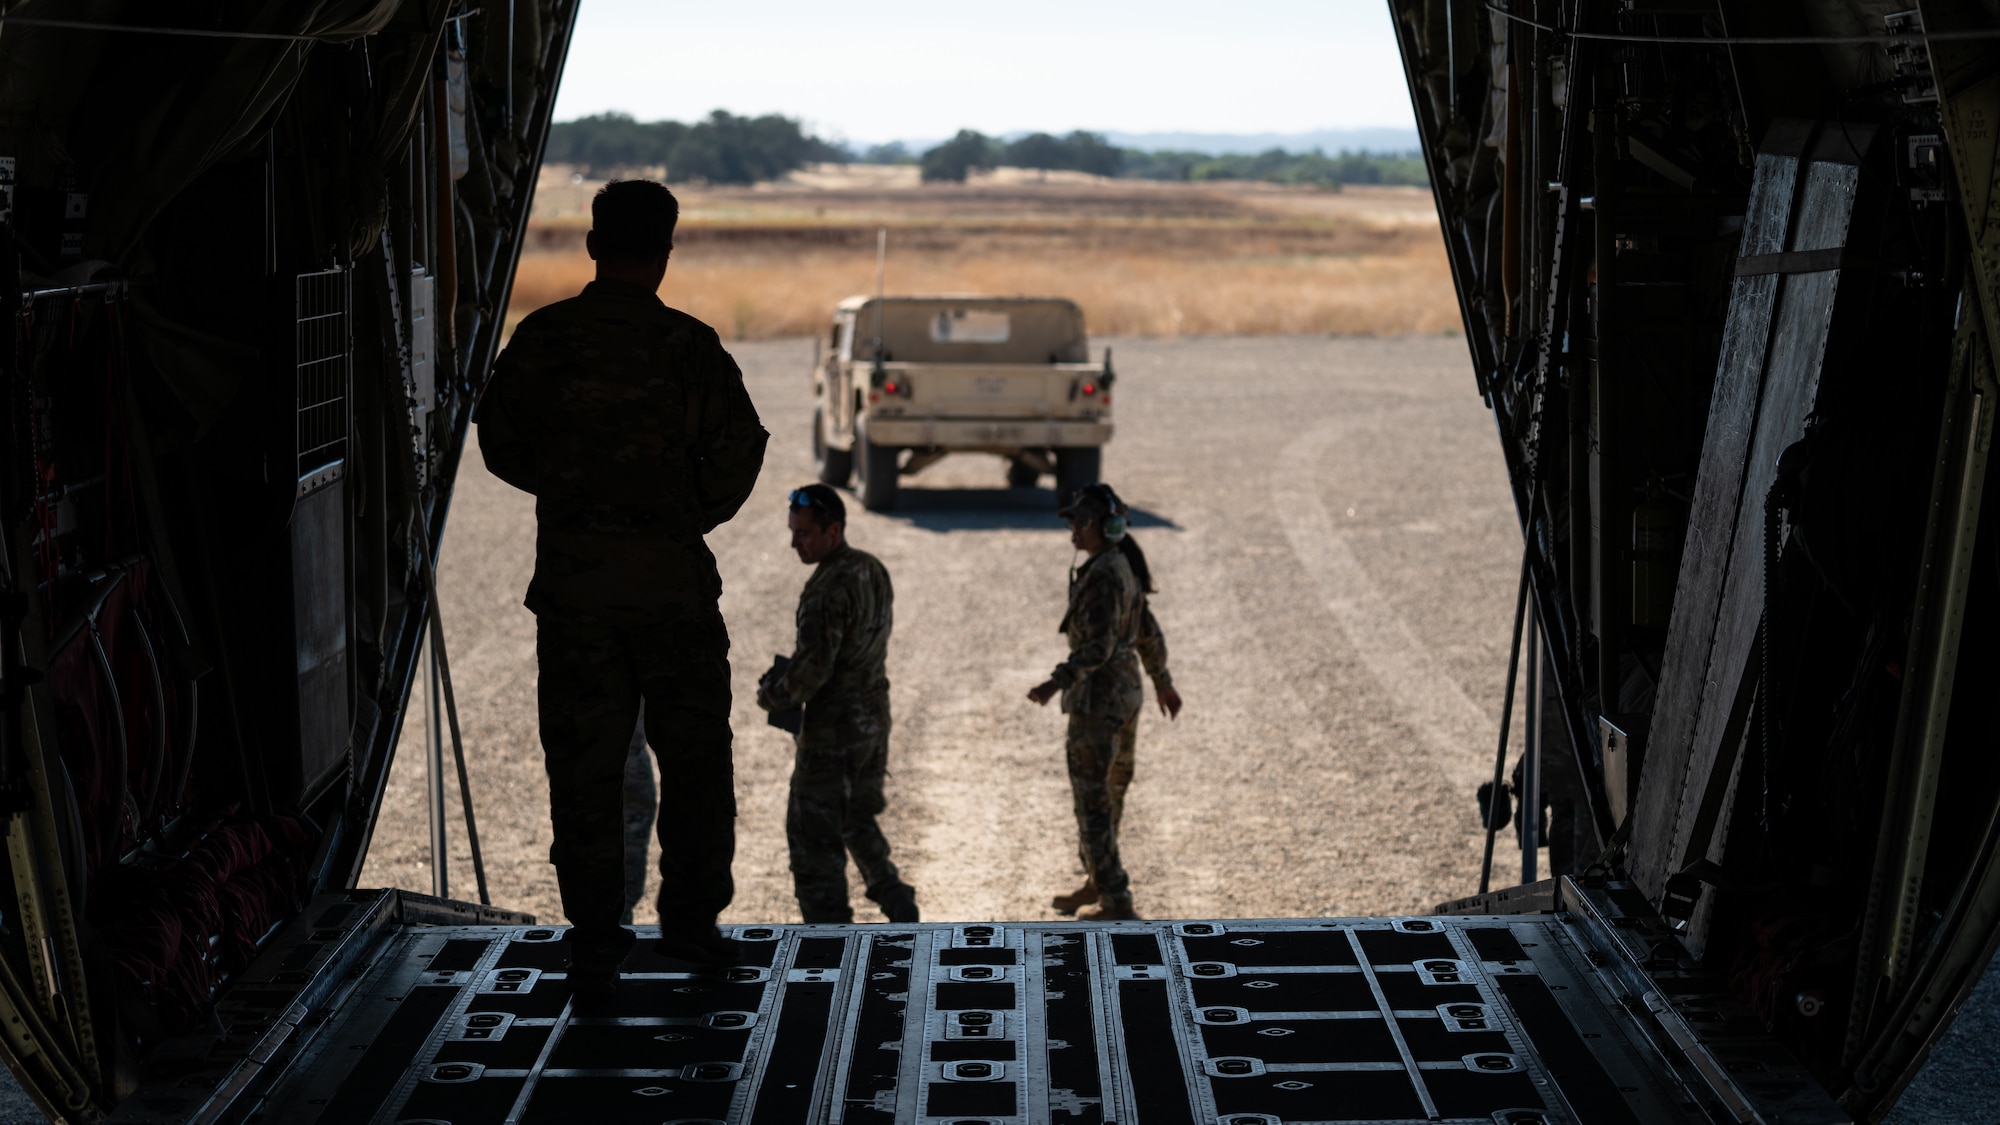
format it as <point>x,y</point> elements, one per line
<point>1115,522</point>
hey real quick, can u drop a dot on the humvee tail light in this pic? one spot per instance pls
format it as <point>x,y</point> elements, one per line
<point>1089,389</point>
<point>890,388</point>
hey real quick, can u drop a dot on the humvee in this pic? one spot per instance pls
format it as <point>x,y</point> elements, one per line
<point>904,381</point>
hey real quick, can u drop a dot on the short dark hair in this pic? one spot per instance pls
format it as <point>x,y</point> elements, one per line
<point>633,220</point>
<point>822,501</point>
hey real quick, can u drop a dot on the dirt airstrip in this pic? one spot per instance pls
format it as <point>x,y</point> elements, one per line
<point>1331,531</point>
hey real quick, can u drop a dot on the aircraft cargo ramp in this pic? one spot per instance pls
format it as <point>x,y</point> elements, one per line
<point>359,1013</point>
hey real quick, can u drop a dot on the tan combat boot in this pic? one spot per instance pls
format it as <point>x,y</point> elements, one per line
<point>1111,909</point>
<point>1082,896</point>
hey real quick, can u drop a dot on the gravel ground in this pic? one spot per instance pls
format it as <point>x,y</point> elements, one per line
<point>1961,1081</point>
<point>1339,709</point>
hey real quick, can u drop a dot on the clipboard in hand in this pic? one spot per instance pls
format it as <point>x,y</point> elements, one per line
<point>787,720</point>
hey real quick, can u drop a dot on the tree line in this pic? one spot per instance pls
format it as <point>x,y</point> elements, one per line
<point>720,149</point>
<point>969,151</point>
<point>726,149</point>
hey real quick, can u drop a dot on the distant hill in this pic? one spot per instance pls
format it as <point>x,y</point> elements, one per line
<point>1244,144</point>
<point>1080,151</point>
<point>1230,144</point>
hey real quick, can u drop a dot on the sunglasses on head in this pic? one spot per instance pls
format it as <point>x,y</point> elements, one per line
<point>799,499</point>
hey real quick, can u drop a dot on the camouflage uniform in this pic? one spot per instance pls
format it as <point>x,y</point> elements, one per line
<point>1112,632</point>
<point>631,426</point>
<point>1151,645</point>
<point>838,675</point>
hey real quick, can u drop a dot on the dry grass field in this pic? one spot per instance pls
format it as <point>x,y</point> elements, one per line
<point>1143,258</point>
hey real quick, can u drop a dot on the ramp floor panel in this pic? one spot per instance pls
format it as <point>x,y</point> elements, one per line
<point>1508,1020</point>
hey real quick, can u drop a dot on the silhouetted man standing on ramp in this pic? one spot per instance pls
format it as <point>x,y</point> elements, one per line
<point>631,426</point>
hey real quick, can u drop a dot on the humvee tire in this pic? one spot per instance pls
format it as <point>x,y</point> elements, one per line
<point>878,473</point>
<point>833,465</point>
<point>1020,474</point>
<point>1076,467</point>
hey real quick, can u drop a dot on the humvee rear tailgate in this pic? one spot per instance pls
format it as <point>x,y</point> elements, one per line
<point>983,390</point>
<point>997,433</point>
<point>1001,406</point>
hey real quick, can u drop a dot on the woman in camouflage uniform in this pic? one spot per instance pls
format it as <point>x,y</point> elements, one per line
<point>1112,633</point>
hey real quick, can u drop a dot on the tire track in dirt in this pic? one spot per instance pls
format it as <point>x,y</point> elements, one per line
<point>1438,712</point>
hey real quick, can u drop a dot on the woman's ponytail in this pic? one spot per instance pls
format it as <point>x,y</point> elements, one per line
<point>1137,560</point>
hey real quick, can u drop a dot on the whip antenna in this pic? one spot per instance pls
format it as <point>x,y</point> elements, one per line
<point>881,262</point>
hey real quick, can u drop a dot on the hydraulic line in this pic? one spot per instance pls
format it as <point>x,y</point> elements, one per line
<point>154,777</point>
<point>1531,754</point>
<point>114,831</point>
<point>1496,800</point>
<point>434,783</point>
<point>443,669</point>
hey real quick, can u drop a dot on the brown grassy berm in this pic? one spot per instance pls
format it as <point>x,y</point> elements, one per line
<point>1150,259</point>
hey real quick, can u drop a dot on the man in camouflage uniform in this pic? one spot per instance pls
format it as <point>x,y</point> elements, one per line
<point>631,426</point>
<point>1112,633</point>
<point>838,675</point>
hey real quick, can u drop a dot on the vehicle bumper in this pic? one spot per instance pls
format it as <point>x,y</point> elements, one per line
<point>999,434</point>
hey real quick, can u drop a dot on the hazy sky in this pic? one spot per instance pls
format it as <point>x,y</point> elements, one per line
<point>873,70</point>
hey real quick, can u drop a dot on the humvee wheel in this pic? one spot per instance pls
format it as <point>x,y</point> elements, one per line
<point>833,465</point>
<point>1075,468</point>
<point>878,473</point>
<point>1020,474</point>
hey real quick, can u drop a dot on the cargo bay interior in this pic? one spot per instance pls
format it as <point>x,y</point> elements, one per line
<point>1728,281</point>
